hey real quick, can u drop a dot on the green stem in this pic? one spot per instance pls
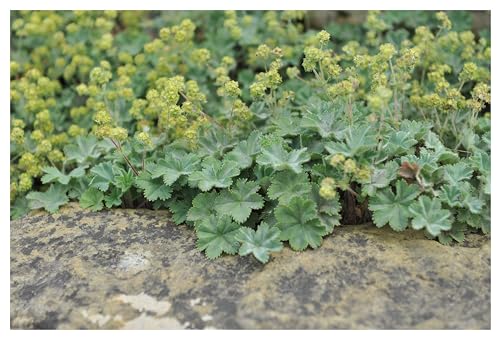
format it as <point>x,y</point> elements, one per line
<point>119,148</point>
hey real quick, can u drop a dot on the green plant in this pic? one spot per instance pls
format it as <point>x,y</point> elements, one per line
<point>251,127</point>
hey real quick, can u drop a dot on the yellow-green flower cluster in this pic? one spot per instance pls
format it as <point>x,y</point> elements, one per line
<point>405,64</point>
<point>105,127</point>
<point>469,72</point>
<point>313,56</point>
<point>375,25</point>
<point>230,89</point>
<point>444,21</point>
<point>292,72</point>
<point>30,164</point>
<point>480,97</point>
<point>379,98</point>
<point>34,91</point>
<point>182,33</point>
<point>200,56</point>
<point>267,80</point>
<point>327,188</point>
<point>231,24</point>
<point>100,76</point>
<point>144,138</point>
<point>351,170</point>
<point>17,131</point>
<point>241,110</point>
<point>194,95</point>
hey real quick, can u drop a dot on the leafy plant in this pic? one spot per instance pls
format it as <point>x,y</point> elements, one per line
<point>252,127</point>
<point>259,242</point>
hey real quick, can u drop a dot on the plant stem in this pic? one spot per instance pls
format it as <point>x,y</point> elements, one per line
<point>119,148</point>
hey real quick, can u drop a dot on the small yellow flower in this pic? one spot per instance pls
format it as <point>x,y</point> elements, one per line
<point>144,138</point>
<point>102,118</point>
<point>327,188</point>
<point>25,182</point>
<point>350,166</point>
<point>231,89</point>
<point>323,37</point>
<point>443,20</point>
<point>337,159</point>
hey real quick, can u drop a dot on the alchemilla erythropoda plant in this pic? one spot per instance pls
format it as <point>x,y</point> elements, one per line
<point>252,127</point>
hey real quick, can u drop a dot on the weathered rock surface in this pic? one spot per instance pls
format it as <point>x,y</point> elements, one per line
<point>134,269</point>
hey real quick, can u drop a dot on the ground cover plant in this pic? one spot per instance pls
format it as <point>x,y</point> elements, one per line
<point>252,127</point>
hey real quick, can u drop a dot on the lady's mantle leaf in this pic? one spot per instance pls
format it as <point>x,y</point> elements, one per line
<point>323,118</point>
<point>451,195</point>
<point>427,213</point>
<point>114,198</point>
<point>85,148</point>
<point>103,176</point>
<point>381,178</point>
<point>215,173</point>
<point>279,159</point>
<point>356,141</point>
<point>203,207</point>
<point>172,167</point>
<point>239,201</point>
<point>456,233</point>
<point>180,205</point>
<point>391,208</point>
<point>417,129</point>
<point>243,154</point>
<point>286,125</point>
<point>154,189</point>
<point>261,242</point>
<point>217,234</point>
<point>328,210</point>
<point>53,174</point>
<point>399,142</point>
<point>299,224</point>
<point>50,200</point>
<point>457,172</point>
<point>286,185</point>
<point>123,179</point>
<point>442,153</point>
<point>92,199</point>
<point>214,142</point>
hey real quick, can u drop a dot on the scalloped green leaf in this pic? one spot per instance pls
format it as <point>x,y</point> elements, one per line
<point>323,118</point>
<point>260,242</point>
<point>355,141</point>
<point>154,189</point>
<point>203,206</point>
<point>286,184</point>
<point>392,209</point>
<point>244,153</point>
<point>52,174</point>
<point>427,213</point>
<point>381,178</point>
<point>279,159</point>
<point>328,210</point>
<point>215,173</point>
<point>173,166</point>
<point>399,143</point>
<point>92,199</point>
<point>102,176</point>
<point>83,149</point>
<point>453,174</point>
<point>239,200</point>
<point>217,235</point>
<point>50,200</point>
<point>299,224</point>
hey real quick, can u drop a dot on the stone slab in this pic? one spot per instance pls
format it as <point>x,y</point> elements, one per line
<point>129,269</point>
